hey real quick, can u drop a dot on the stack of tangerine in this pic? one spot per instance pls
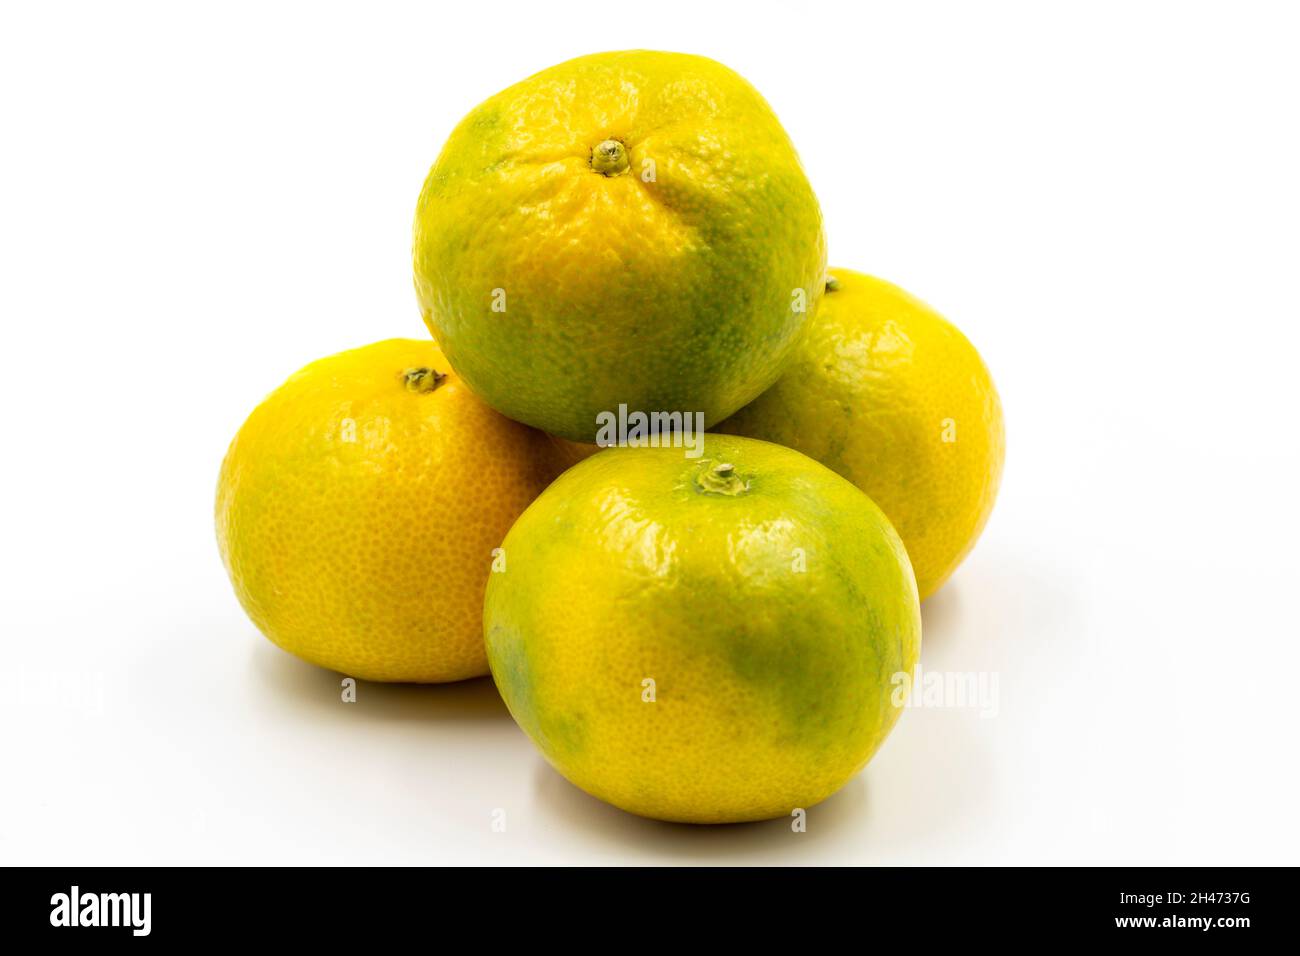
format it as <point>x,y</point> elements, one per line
<point>694,627</point>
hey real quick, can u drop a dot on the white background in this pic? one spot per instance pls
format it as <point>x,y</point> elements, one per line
<point>197,200</point>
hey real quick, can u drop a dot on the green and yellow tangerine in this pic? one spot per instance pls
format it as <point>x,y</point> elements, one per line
<point>768,600</point>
